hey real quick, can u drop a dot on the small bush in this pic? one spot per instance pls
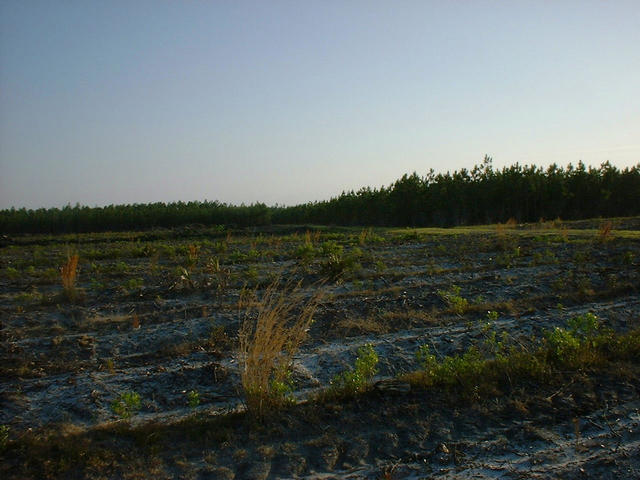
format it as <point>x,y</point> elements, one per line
<point>337,263</point>
<point>357,380</point>
<point>584,326</point>
<point>481,371</point>
<point>456,303</point>
<point>12,273</point>
<point>563,345</point>
<point>577,344</point>
<point>193,398</point>
<point>426,359</point>
<point>305,252</point>
<point>237,256</point>
<point>219,277</point>
<point>133,284</point>
<point>126,404</point>
<point>367,236</point>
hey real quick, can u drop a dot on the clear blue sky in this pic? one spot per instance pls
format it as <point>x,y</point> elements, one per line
<point>290,101</point>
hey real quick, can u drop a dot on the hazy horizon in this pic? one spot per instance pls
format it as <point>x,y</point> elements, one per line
<point>285,103</point>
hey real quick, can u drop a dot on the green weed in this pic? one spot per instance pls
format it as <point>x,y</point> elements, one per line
<point>193,398</point>
<point>426,359</point>
<point>126,405</point>
<point>456,303</point>
<point>356,380</point>
<point>133,284</point>
<point>337,264</point>
<point>12,273</point>
<point>577,343</point>
<point>4,436</point>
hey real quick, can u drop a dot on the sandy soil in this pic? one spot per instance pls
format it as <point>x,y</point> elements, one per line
<point>65,363</point>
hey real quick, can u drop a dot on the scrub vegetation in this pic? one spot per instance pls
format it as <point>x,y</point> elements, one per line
<point>306,351</point>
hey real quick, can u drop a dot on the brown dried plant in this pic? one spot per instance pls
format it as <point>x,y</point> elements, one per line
<point>604,231</point>
<point>275,325</point>
<point>364,234</point>
<point>68,273</point>
<point>192,254</point>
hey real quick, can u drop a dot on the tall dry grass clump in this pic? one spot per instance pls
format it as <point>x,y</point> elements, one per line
<point>275,326</point>
<point>604,231</point>
<point>68,274</point>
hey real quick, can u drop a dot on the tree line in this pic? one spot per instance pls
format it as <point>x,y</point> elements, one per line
<point>480,195</point>
<point>81,219</point>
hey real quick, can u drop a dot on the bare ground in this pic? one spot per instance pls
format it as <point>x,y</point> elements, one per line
<point>64,363</point>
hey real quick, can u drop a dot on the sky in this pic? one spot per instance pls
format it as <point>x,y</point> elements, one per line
<point>293,101</point>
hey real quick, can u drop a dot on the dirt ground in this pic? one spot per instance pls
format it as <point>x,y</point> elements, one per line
<point>157,313</point>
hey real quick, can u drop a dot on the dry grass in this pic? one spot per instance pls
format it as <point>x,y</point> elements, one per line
<point>510,224</point>
<point>307,238</point>
<point>275,326</point>
<point>364,234</point>
<point>503,233</point>
<point>68,273</point>
<point>604,231</point>
<point>192,254</point>
<point>358,326</point>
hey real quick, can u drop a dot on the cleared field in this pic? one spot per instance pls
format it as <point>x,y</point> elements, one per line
<point>132,371</point>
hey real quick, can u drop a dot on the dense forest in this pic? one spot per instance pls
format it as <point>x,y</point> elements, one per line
<point>480,195</point>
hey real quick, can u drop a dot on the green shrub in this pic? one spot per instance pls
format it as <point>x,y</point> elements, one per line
<point>356,380</point>
<point>426,359</point>
<point>577,344</point>
<point>456,303</point>
<point>193,398</point>
<point>331,247</point>
<point>238,257</point>
<point>133,284</point>
<point>338,264</point>
<point>624,347</point>
<point>563,345</point>
<point>481,371</point>
<point>584,326</point>
<point>12,273</point>
<point>220,246</point>
<point>252,274</point>
<point>461,368</point>
<point>126,404</point>
<point>305,252</point>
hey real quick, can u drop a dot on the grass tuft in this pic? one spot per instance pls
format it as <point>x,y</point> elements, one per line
<point>68,274</point>
<point>273,330</point>
<point>604,231</point>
